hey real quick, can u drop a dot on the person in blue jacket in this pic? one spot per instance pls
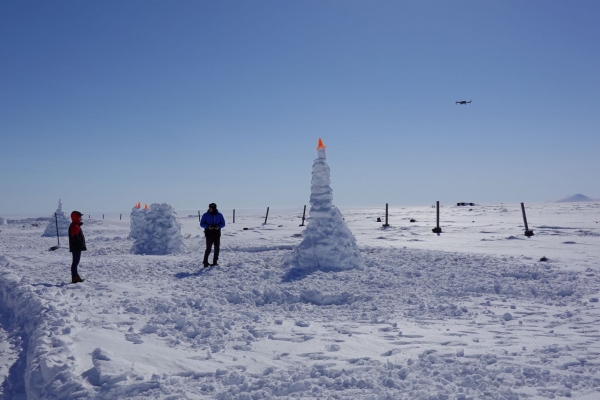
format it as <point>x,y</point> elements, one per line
<point>212,221</point>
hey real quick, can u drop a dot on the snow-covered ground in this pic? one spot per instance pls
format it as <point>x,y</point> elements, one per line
<point>471,313</point>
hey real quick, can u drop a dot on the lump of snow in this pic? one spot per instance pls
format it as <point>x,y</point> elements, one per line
<point>328,243</point>
<point>156,230</point>
<point>594,300</point>
<point>63,223</point>
<point>507,316</point>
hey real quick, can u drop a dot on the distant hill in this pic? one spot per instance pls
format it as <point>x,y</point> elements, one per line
<point>575,198</point>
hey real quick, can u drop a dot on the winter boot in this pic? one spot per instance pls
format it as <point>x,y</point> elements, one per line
<point>77,279</point>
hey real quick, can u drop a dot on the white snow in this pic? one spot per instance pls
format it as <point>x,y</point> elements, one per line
<point>328,244</point>
<point>468,314</point>
<point>156,230</point>
<point>63,223</point>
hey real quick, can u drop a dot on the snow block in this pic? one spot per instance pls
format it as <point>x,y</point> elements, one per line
<point>156,231</point>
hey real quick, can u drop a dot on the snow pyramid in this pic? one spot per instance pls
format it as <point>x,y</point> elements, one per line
<point>157,231</point>
<point>63,223</point>
<point>327,243</point>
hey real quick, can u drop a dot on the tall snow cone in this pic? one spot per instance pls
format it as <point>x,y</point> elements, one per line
<point>159,233</point>
<point>63,223</point>
<point>328,243</point>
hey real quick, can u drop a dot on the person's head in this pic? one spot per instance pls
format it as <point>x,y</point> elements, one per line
<point>212,207</point>
<point>76,216</point>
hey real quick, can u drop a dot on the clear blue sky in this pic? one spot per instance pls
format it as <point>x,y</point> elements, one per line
<point>108,103</point>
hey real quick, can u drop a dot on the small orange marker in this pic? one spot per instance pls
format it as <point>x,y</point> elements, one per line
<point>138,205</point>
<point>321,146</point>
<point>145,206</point>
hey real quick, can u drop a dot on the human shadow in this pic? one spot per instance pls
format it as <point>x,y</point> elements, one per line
<point>183,275</point>
<point>48,284</point>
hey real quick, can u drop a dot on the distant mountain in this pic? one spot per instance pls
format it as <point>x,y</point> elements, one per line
<point>575,198</point>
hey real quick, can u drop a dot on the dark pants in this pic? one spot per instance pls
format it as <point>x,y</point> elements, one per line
<point>210,240</point>
<point>76,258</point>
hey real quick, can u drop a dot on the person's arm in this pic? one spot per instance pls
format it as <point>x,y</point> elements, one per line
<point>203,223</point>
<point>75,229</point>
<point>222,223</point>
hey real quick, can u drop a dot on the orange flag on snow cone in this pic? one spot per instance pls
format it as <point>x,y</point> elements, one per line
<point>138,205</point>
<point>321,146</point>
<point>145,206</point>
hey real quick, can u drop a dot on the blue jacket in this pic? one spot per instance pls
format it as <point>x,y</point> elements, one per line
<point>209,219</point>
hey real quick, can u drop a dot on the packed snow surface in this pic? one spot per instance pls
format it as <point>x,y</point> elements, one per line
<point>468,314</point>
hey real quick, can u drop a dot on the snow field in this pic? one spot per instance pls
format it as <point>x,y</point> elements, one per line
<point>415,323</point>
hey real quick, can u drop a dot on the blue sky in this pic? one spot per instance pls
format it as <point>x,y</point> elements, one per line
<point>105,104</point>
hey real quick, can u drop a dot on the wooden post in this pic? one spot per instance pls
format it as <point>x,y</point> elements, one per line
<point>437,228</point>
<point>528,233</point>
<point>303,215</point>
<point>234,215</point>
<point>199,217</point>
<point>120,215</point>
<point>102,216</point>
<point>267,216</point>
<point>386,216</point>
<point>57,235</point>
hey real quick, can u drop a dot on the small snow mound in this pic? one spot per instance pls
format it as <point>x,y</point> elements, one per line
<point>156,231</point>
<point>63,223</point>
<point>576,198</point>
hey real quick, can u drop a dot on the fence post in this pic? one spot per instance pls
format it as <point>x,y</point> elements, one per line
<point>303,215</point>
<point>120,216</point>
<point>102,216</point>
<point>234,215</point>
<point>266,216</point>
<point>437,228</point>
<point>199,217</point>
<point>57,235</point>
<point>386,216</point>
<point>528,233</point>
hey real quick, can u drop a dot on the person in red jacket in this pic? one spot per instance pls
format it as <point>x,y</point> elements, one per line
<point>76,244</point>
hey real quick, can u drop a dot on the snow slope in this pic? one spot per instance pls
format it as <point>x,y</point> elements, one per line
<point>470,313</point>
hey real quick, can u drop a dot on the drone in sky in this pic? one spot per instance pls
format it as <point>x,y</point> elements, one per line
<point>463,102</point>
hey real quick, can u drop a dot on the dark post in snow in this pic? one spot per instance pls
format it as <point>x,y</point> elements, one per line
<point>437,228</point>
<point>102,216</point>
<point>57,235</point>
<point>120,215</point>
<point>386,213</point>
<point>199,218</point>
<point>303,215</point>
<point>528,233</point>
<point>234,215</point>
<point>266,216</point>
